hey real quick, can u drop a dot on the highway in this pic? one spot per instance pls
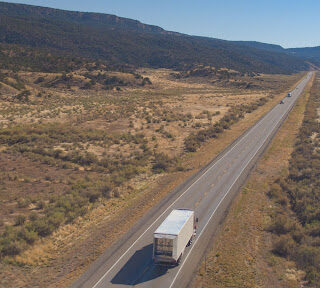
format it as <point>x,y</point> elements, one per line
<point>210,192</point>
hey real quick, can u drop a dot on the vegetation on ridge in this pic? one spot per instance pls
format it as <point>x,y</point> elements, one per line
<point>100,36</point>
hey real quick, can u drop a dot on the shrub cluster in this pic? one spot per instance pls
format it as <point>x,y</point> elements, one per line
<point>36,142</point>
<point>67,207</point>
<point>71,205</point>
<point>297,221</point>
<point>162,162</point>
<point>109,82</point>
<point>194,140</point>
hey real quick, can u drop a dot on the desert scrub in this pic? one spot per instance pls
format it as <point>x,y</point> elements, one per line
<point>73,203</point>
<point>296,222</point>
<point>162,162</point>
<point>194,140</point>
<point>36,143</point>
<point>64,209</point>
<point>85,132</point>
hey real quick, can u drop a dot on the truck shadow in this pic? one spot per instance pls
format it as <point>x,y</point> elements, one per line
<point>139,268</point>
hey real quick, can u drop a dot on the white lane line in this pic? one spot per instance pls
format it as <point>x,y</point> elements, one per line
<point>203,229</point>
<point>219,160</point>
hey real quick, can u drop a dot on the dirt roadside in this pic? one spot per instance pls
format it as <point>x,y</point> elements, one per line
<point>240,255</point>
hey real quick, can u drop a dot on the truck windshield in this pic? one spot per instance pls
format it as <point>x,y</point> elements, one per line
<point>163,246</point>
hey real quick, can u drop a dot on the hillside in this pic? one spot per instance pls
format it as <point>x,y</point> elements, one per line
<point>310,53</point>
<point>262,46</point>
<point>125,41</point>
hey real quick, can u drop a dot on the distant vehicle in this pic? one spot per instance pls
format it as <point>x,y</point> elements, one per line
<point>174,234</point>
<point>289,94</point>
<point>281,102</point>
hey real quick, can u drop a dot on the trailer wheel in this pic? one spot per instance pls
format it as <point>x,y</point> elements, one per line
<point>179,260</point>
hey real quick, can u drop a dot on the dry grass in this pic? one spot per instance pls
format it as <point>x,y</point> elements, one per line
<point>73,247</point>
<point>165,113</point>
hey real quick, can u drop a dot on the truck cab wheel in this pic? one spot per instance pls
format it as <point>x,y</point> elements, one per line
<point>190,241</point>
<point>179,260</point>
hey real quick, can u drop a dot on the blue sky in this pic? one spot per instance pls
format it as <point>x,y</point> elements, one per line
<point>294,23</point>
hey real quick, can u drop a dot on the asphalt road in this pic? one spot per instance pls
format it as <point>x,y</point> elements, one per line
<point>209,192</point>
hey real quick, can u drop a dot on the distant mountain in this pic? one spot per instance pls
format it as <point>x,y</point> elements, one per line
<point>310,53</point>
<point>263,46</point>
<point>307,52</point>
<point>124,41</point>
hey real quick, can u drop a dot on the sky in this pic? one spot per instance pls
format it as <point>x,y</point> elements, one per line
<point>289,23</point>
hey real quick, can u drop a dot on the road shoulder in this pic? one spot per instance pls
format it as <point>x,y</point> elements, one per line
<point>240,255</point>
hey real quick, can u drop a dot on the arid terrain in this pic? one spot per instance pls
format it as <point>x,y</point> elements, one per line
<point>108,123</point>
<point>77,148</point>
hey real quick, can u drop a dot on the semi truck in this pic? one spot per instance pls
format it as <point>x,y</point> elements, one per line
<point>173,235</point>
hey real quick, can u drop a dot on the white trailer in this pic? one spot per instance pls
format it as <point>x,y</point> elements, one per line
<point>173,235</point>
